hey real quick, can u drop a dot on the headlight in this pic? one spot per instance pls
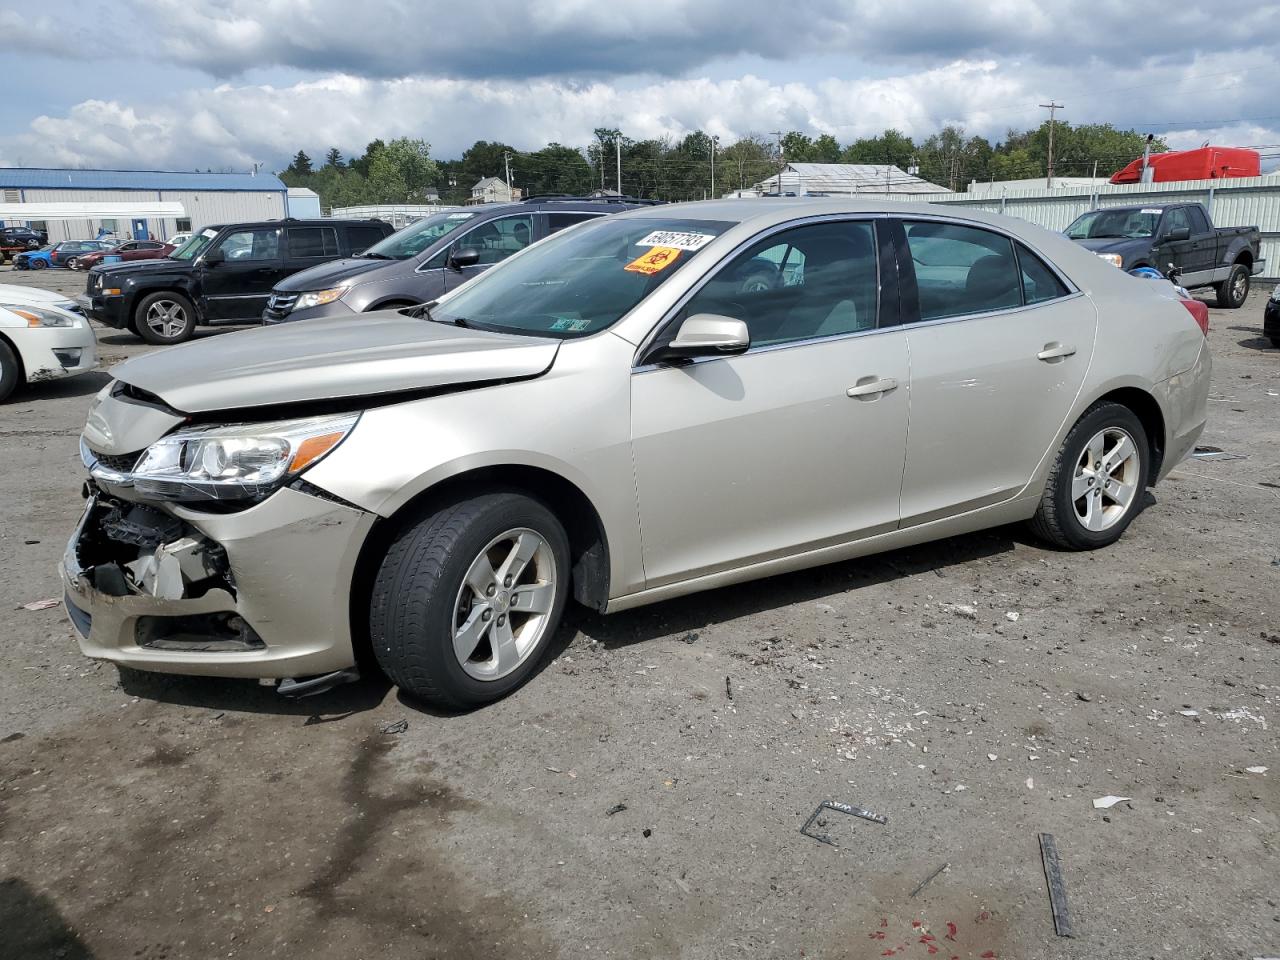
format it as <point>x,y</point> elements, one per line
<point>1275,293</point>
<point>1112,258</point>
<point>237,462</point>
<point>318,298</point>
<point>40,316</point>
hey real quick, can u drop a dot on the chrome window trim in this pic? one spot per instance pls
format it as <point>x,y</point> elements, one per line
<point>991,313</point>
<point>713,270</point>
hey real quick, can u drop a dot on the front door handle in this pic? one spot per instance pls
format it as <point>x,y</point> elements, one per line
<point>868,388</point>
<point>1055,352</point>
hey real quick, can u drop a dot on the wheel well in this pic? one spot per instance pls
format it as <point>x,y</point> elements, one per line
<point>1245,257</point>
<point>1148,412</point>
<point>395,303</point>
<point>17,356</point>
<point>588,544</point>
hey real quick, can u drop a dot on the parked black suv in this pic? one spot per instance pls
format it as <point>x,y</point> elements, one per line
<point>432,256</point>
<point>223,274</point>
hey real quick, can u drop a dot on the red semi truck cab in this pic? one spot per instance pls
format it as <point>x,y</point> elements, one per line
<point>1207,163</point>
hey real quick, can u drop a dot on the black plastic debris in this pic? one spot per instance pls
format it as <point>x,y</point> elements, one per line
<point>1057,886</point>
<point>400,726</point>
<point>839,808</point>
<point>616,808</point>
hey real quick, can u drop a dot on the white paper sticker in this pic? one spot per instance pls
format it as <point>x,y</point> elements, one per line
<point>460,216</point>
<point>681,241</point>
<point>1156,210</point>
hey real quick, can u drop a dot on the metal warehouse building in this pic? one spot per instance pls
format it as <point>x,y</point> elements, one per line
<point>133,196</point>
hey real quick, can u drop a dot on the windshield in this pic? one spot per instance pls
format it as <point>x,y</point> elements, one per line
<point>1129,223</point>
<point>416,237</point>
<point>581,281</point>
<point>191,249</point>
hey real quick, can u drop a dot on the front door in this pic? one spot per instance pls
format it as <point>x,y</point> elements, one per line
<point>494,240</point>
<point>999,350</point>
<point>237,287</point>
<point>794,445</point>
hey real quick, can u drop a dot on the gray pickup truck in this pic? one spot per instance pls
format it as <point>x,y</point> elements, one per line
<point>1179,240</point>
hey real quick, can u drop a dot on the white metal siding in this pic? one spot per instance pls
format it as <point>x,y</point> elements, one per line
<point>1243,202</point>
<point>203,208</point>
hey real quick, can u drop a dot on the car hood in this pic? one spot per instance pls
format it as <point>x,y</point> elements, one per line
<point>332,359</point>
<point>334,273</point>
<point>1121,245</point>
<point>143,266</point>
<point>12,293</point>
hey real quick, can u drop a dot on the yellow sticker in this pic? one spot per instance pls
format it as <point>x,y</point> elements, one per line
<point>657,259</point>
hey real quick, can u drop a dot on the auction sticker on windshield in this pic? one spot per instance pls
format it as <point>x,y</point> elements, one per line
<point>681,241</point>
<point>655,261</point>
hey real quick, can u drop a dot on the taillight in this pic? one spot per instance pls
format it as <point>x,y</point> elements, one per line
<point>1200,312</point>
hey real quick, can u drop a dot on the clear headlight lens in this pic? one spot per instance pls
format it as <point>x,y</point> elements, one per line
<point>1112,258</point>
<point>1275,293</point>
<point>237,462</point>
<point>41,316</point>
<point>318,298</point>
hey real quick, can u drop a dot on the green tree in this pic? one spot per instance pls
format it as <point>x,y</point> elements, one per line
<point>301,165</point>
<point>333,158</point>
<point>483,159</point>
<point>892,146</point>
<point>553,169</point>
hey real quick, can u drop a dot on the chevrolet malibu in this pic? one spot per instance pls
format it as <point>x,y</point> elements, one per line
<point>660,402</point>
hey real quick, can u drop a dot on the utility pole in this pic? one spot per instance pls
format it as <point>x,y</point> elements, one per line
<point>714,141</point>
<point>1053,107</point>
<point>506,159</point>
<point>781,164</point>
<point>617,146</point>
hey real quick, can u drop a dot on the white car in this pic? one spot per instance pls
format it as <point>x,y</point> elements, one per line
<point>178,239</point>
<point>42,337</point>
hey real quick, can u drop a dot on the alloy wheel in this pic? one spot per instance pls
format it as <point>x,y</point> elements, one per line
<point>1105,481</point>
<point>166,318</point>
<point>1239,286</point>
<point>504,605</point>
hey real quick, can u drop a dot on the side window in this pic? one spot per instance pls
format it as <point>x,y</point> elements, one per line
<point>362,236</point>
<point>1039,283</point>
<point>812,281</point>
<point>1199,222</point>
<point>558,221</point>
<point>962,270</point>
<point>312,242</point>
<point>247,245</point>
<point>150,245</point>
<point>499,239</point>
<point>1175,219</point>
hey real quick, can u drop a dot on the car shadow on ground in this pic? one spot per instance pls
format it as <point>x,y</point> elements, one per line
<point>248,696</point>
<point>34,927</point>
<point>81,386</point>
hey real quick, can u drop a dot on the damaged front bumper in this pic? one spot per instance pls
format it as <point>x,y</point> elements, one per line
<point>262,592</point>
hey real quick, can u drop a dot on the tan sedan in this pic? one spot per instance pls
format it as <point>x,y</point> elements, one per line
<point>640,407</point>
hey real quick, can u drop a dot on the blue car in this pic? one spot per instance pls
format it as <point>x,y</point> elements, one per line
<point>58,254</point>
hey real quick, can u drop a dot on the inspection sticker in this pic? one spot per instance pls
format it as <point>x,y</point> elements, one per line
<point>656,260</point>
<point>681,241</point>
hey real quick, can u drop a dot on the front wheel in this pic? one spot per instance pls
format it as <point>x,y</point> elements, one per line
<point>1233,291</point>
<point>467,599</point>
<point>37,264</point>
<point>10,371</point>
<point>164,318</point>
<point>1098,481</point>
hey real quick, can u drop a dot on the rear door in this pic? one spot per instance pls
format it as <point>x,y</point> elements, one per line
<point>237,288</point>
<point>999,345</point>
<point>555,221</point>
<point>362,236</point>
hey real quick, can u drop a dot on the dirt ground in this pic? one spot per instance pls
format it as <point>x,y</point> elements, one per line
<point>643,796</point>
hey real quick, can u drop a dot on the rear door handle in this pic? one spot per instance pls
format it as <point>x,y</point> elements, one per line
<point>1053,352</point>
<point>868,388</point>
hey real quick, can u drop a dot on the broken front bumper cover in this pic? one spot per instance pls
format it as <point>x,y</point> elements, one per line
<point>262,592</point>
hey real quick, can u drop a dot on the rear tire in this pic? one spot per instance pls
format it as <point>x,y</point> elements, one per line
<point>10,371</point>
<point>1234,291</point>
<point>73,264</point>
<point>446,619</point>
<point>1097,483</point>
<point>165,318</point>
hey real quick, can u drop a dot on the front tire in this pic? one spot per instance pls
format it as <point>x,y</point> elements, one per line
<point>37,264</point>
<point>1234,291</point>
<point>165,318</point>
<point>10,371</point>
<point>1098,481</point>
<point>466,600</point>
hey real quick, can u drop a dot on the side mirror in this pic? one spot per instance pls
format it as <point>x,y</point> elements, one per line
<point>464,257</point>
<point>709,335</point>
<point>213,258</point>
<point>1178,233</point>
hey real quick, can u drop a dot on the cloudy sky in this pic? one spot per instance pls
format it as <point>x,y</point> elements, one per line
<point>179,84</point>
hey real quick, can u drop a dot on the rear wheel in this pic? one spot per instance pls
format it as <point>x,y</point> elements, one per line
<point>10,371</point>
<point>1233,291</point>
<point>165,318</point>
<point>1098,481</point>
<point>466,600</point>
<point>73,263</point>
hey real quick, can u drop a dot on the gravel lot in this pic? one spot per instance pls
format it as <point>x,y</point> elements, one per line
<point>977,691</point>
